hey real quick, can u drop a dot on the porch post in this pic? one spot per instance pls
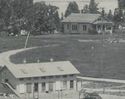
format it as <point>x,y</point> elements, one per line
<point>68,85</point>
<point>74,84</point>
<point>105,27</point>
<point>111,29</point>
<point>101,28</point>
<point>96,27</point>
<point>47,86</point>
<point>33,89</point>
<point>54,86</point>
<point>39,88</point>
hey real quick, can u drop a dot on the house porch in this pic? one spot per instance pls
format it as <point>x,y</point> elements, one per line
<point>103,27</point>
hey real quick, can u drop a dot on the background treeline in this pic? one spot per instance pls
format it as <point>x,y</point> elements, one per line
<point>40,18</point>
<point>37,18</point>
<point>117,16</point>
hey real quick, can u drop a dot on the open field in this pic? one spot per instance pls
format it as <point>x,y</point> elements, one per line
<point>94,59</point>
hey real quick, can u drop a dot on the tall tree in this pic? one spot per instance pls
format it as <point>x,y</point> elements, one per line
<point>62,16</point>
<point>13,12</point>
<point>72,8</point>
<point>45,18</point>
<point>5,10</point>
<point>20,7</point>
<point>103,12</point>
<point>19,11</point>
<point>57,20</point>
<point>93,7</point>
<point>118,16</point>
<point>85,9</point>
<point>121,4</point>
<point>110,15</point>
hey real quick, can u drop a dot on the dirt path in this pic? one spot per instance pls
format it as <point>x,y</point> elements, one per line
<point>5,56</point>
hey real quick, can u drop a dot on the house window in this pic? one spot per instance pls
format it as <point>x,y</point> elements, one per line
<point>21,79</point>
<point>29,87</point>
<point>43,86</point>
<point>103,27</point>
<point>28,78</point>
<point>57,76</point>
<point>99,19</point>
<point>71,75</point>
<point>108,28</point>
<point>64,76</point>
<point>35,87</point>
<point>50,86</point>
<point>99,27</point>
<point>22,88</point>
<point>74,27</point>
<point>71,84</point>
<point>43,77</point>
<point>50,77</point>
<point>36,78</point>
<point>84,27</point>
<point>68,26</point>
<point>64,84</point>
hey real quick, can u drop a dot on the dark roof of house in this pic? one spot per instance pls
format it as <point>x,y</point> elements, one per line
<point>80,18</point>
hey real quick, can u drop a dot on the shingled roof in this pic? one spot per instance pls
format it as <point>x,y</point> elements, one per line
<point>81,18</point>
<point>43,69</point>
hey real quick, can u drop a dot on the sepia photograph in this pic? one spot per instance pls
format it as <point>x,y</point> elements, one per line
<point>62,49</point>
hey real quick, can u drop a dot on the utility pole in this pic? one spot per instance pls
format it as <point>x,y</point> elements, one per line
<point>32,27</point>
<point>102,57</point>
<point>27,38</point>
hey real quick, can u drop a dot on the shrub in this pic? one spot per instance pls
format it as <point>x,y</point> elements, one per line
<point>92,31</point>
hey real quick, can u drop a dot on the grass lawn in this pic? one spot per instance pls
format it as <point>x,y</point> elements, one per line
<point>92,59</point>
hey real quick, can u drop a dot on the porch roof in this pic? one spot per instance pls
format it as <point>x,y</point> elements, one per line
<point>103,22</point>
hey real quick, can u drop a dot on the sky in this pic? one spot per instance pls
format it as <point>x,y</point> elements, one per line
<point>62,4</point>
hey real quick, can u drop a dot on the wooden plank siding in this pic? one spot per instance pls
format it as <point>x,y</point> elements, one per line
<point>68,28</point>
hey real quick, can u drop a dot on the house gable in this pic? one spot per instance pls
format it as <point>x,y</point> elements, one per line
<point>102,20</point>
<point>7,76</point>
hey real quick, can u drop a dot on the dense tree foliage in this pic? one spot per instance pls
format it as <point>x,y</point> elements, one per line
<point>121,3</point>
<point>19,16</point>
<point>5,11</point>
<point>72,8</point>
<point>93,7</point>
<point>20,7</point>
<point>24,14</point>
<point>12,14</point>
<point>38,18</point>
<point>103,13</point>
<point>118,16</point>
<point>46,18</point>
<point>110,15</point>
<point>85,9</point>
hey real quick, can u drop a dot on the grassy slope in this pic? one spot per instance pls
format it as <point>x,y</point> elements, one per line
<point>88,61</point>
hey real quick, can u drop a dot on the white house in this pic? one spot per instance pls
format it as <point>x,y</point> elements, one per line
<point>78,23</point>
<point>36,78</point>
